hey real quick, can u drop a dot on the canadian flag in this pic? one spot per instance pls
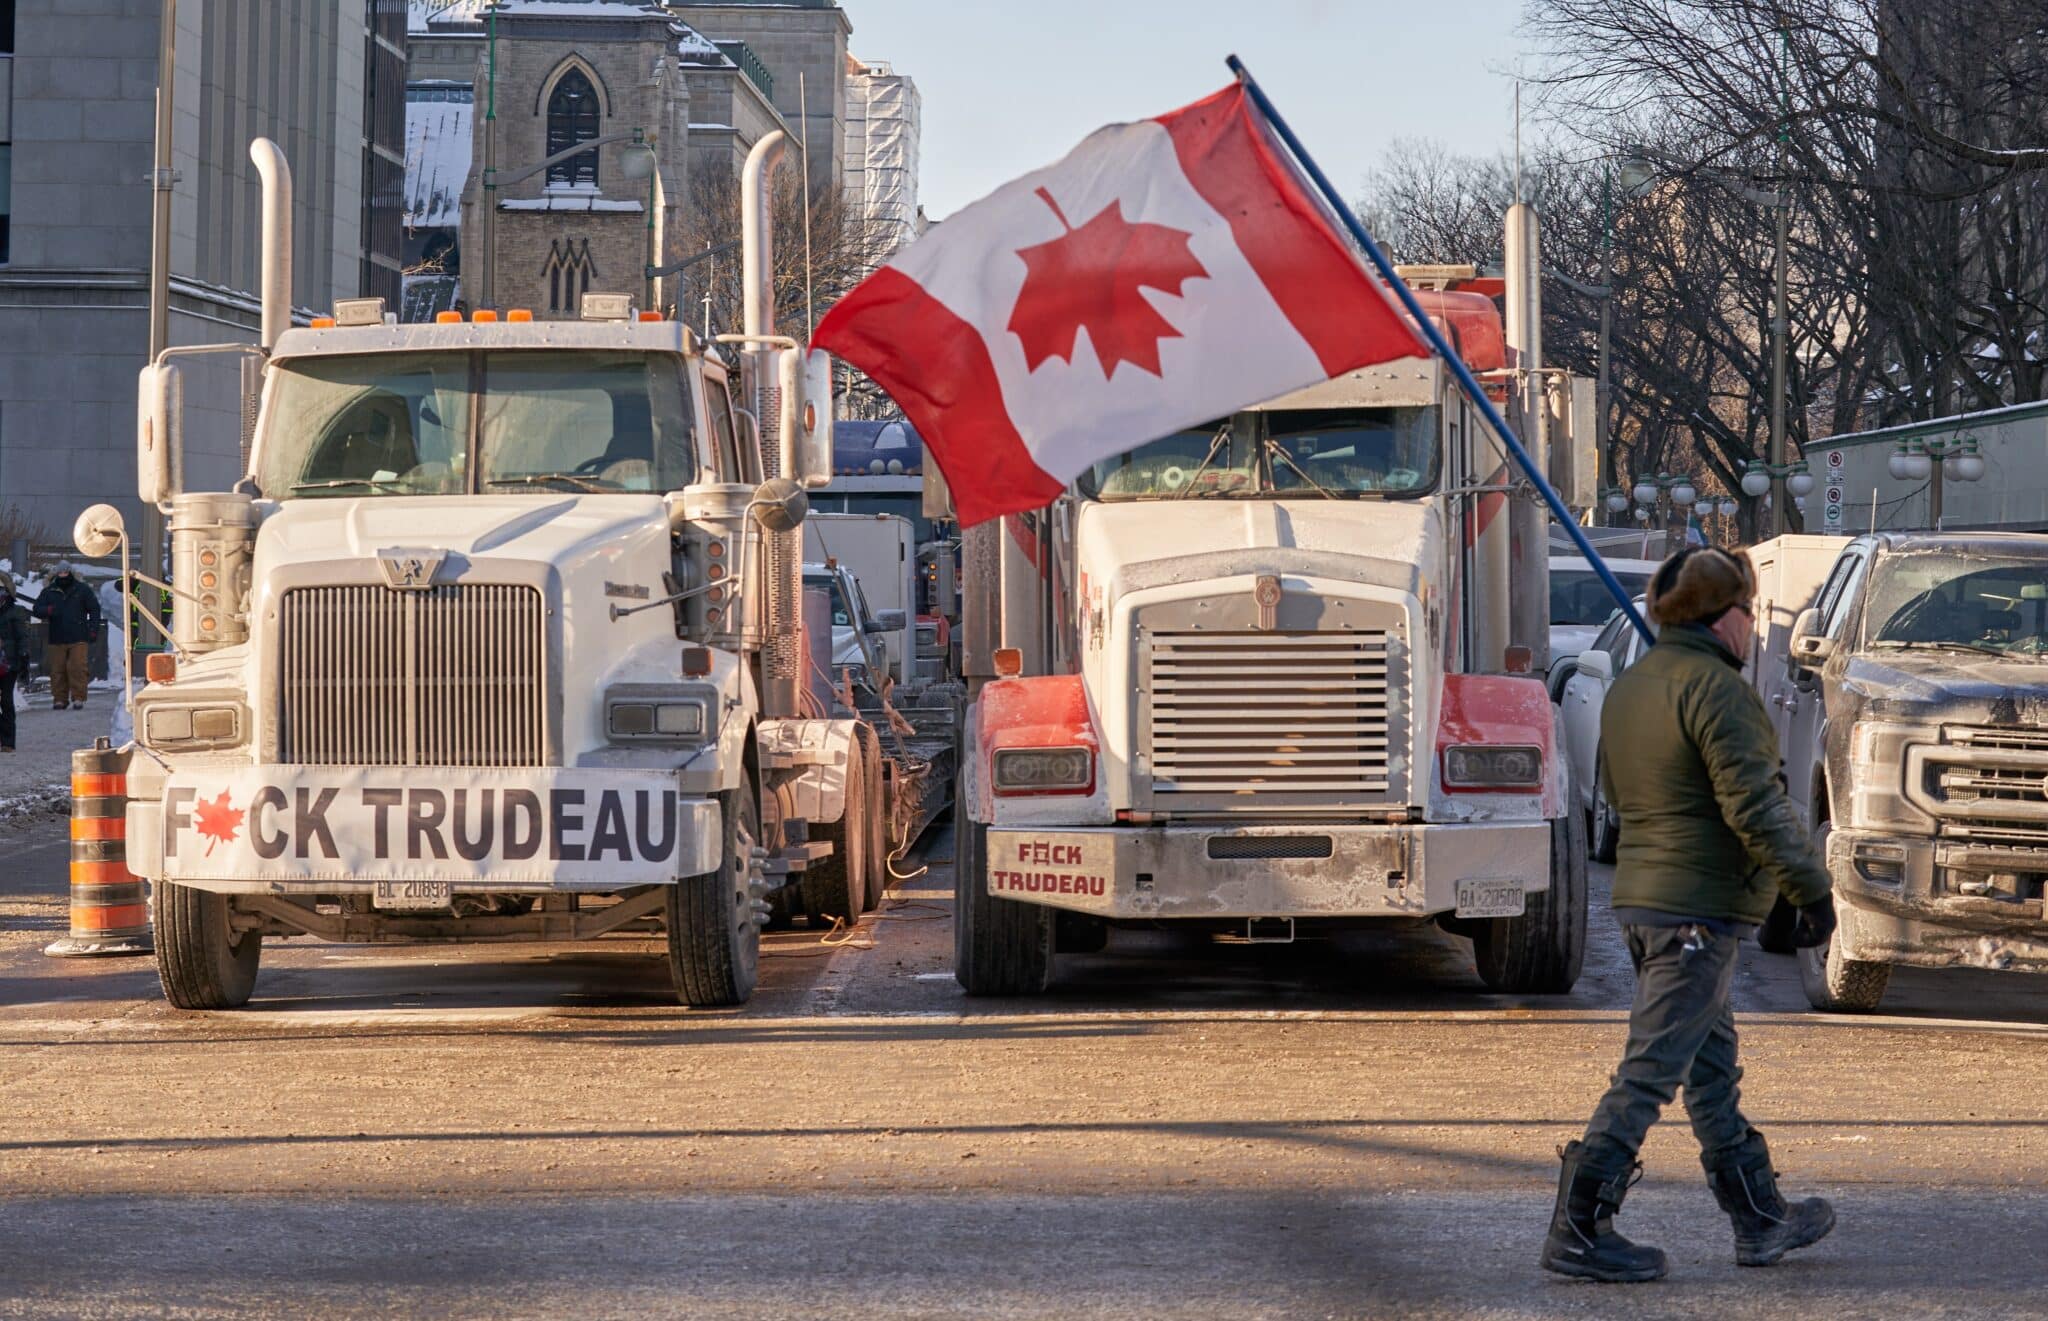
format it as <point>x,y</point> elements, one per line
<point>1163,274</point>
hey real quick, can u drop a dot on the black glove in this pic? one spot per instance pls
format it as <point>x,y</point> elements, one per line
<point>1816,923</point>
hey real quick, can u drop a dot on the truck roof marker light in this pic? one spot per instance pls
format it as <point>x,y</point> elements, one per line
<point>651,316</point>
<point>322,323</point>
<point>161,667</point>
<point>1008,661</point>
<point>447,318</point>
<point>1519,660</point>
<point>359,311</point>
<point>696,662</point>
<point>483,316</point>
<point>519,315</point>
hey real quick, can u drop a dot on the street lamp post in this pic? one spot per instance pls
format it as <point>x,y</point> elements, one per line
<point>1668,494</point>
<point>1935,462</point>
<point>1643,166</point>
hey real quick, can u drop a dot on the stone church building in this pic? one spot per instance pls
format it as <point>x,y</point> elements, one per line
<point>615,73</point>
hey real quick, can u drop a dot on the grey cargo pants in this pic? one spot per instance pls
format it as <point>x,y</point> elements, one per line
<point>1681,1033</point>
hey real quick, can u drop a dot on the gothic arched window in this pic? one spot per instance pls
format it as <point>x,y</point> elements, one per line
<point>572,118</point>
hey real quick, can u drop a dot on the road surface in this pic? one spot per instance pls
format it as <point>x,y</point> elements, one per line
<point>1180,1128</point>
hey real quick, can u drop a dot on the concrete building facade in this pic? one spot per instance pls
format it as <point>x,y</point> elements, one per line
<point>80,127</point>
<point>802,46</point>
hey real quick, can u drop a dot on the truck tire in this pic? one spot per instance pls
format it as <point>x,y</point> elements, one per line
<point>201,963</point>
<point>1838,985</point>
<point>880,844</point>
<point>1604,829</point>
<point>1000,947</point>
<point>835,888</point>
<point>714,939</point>
<point>1834,983</point>
<point>1541,952</point>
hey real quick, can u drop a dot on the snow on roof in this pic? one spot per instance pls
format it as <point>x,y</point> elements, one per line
<point>437,17</point>
<point>695,48</point>
<point>566,202</point>
<point>582,8</point>
<point>437,152</point>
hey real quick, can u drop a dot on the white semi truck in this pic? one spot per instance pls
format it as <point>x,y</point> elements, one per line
<point>1280,674</point>
<point>496,639</point>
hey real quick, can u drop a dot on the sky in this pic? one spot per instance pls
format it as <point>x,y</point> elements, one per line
<point>1012,86</point>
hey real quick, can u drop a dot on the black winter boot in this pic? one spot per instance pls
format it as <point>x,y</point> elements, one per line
<point>1582,1240</point>
<point>1766,1227</point>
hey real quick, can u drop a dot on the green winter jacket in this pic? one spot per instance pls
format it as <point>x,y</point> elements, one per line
<point>1690,765</point>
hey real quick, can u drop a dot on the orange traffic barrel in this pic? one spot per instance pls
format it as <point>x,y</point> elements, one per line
<point>109,912</point>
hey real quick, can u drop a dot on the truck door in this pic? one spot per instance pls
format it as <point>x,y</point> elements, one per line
<point>1801,717</point>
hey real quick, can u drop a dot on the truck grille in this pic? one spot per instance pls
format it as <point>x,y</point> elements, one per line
<point>1993,789</point>
<point>453,675</point>
<point>1264,713</point>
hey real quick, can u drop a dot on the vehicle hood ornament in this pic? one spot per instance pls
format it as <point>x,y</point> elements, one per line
<point>410,569</point>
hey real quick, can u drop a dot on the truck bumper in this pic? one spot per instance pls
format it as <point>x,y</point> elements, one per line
<point>342,830</point>
<point>1938,904</point>
<point>1263,871</point>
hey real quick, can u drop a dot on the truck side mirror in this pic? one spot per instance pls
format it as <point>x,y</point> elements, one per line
<point>159,427</point>
<point>1810,648</point>
<point>780,505</point>
<point>99,531</point>
<point>1595,664</point>
<point>891,621</point>
<point>807,416</point>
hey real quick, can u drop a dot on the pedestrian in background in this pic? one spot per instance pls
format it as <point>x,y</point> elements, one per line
<point>70,612</point>
<point>13,655</point>
<point>1709,840</point>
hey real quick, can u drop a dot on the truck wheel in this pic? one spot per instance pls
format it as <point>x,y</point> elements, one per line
<point>881,841</point>
<point>201,962</point>
<point>714,939</point>
<point>1839,985</point>
<point>1605,829</point>
<point>1000,947</point>
<point>1540,952</point>
<point>836,887</point>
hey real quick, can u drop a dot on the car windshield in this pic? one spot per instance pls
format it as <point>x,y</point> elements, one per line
<point>1959,599</point>
<point>1577,596</point>
<point>1319,453</point>
<point>446,423</point>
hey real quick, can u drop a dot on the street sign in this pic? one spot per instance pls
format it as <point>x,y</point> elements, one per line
<point>1833,517</point>
<point>1834,458</point>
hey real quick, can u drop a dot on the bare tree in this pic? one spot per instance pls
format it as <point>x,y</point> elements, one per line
<point>812,271</point>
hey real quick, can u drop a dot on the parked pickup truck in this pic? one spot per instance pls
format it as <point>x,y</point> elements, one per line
<point>1911,703</point>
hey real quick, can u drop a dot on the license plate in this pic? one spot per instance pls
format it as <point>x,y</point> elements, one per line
<point>1489,898</point>
<point>436,896</point>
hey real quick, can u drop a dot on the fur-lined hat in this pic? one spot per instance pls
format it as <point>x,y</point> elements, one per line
<point>1700,584</point>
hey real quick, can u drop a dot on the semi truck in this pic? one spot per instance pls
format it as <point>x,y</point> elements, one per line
<point>1280,674</point>
<point>496,638</point>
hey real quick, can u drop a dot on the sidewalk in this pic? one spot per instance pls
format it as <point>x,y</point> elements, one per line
<point>35,779</point>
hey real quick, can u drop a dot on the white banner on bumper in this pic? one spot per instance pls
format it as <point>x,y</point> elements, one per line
<point>468,827</point>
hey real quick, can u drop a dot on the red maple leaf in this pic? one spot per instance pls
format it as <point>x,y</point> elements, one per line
<point>1091,277</point>
<point>219,822</point>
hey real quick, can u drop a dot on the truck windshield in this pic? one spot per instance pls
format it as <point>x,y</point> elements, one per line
<point>1318,453</point>
<point>446,423</point>
<point>1959,599</point>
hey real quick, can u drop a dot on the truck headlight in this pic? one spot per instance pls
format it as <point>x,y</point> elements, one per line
<point>1493,766</point>
<point>1044,770</point>
<point>191,726</point>
<point>644,713</point>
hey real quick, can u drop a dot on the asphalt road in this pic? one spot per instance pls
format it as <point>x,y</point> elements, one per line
<point>1180,1128</point>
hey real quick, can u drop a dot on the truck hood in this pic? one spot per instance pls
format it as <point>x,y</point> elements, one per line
<point>1146,543</point>
<point>553,529</point>
<point>1949,686</point>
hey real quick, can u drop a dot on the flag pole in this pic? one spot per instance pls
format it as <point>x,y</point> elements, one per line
<point>1440,344</point>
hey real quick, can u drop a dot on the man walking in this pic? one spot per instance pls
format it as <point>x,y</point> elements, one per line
<point>13,656</point>
<point>1708,842</point>
<point>71,612</point>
